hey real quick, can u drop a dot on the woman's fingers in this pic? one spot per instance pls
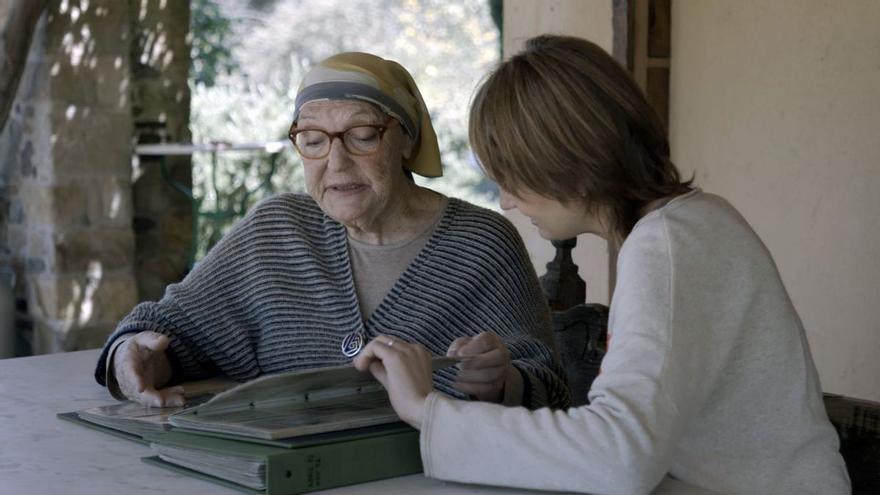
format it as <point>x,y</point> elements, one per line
<point>486,350</point>
<point>149,397</point>
<point>140,367</point>
<point>130,368</point>
<point>138,361</point>
<point>483,372</point>
<point>482,375</point>
<point>484,383</point>
<point>482,343</point>
<point>171,396</point>
<point>126,378</point>
<point>369,355</point>
<point>378,370</point>
<point>491,359</point>
<point>152,341</point>
<point>456,345</point>
<point>479,390</point>
<point>166,397</point>
<point>403,369</point>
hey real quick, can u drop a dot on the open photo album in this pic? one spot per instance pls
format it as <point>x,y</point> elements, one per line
<point>290,432</point>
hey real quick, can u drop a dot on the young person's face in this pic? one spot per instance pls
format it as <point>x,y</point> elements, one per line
<point>555,220</point>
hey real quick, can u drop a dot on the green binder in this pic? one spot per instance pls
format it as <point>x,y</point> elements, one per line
<point>73,417</point>
<point>291,432</point>
<point>301,466</point>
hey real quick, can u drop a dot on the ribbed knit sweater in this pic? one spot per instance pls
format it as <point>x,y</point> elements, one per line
<point>277,294</point>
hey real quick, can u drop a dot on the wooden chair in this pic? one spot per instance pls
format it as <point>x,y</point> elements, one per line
<point>858,424</point>
<point>580,328</point>
<point>581,336</point>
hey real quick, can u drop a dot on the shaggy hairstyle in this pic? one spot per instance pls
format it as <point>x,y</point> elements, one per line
<point>563,119</point>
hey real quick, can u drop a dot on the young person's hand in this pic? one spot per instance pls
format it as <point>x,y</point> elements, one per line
<point>141,369</point>
<point>404,370</point>
<point>486,372</point>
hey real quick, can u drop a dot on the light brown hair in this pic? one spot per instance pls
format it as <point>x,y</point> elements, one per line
<point>563,119</point>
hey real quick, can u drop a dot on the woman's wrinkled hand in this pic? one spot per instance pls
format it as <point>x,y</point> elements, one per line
<point>485,370</point>
<point>142,368</point>
<point>404,370</point>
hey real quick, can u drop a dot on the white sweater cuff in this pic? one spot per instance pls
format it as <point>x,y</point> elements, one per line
<point>426,433</point>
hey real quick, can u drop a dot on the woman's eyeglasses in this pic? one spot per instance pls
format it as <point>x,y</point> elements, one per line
<point>359,140</point>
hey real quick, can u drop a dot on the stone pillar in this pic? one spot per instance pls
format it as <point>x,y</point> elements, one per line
<point>66,151</point>
<point>161,106</point>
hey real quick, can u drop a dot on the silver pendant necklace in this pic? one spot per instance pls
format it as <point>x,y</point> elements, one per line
<point>353,343</point>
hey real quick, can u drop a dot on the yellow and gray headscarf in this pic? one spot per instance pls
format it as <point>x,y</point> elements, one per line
<point>385,84</point>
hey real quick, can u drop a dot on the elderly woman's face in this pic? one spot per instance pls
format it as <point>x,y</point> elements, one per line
<point>354,189</point>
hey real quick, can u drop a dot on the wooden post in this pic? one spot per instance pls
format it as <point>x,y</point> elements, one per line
<point>562,285</point>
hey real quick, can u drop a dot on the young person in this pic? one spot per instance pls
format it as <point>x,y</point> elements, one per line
<point>708,377</point>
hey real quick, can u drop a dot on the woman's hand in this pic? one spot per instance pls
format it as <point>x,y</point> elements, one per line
<point>404,370</point>
<point>141,368</point>
<point>485,372</point>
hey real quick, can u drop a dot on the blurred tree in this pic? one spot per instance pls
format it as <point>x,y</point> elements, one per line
<point>212,43</point>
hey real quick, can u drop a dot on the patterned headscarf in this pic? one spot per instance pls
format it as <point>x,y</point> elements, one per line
<point>385,84</point>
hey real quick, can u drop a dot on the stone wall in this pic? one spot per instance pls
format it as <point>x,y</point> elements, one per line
<point>88,231</point>
<point>66,154</point>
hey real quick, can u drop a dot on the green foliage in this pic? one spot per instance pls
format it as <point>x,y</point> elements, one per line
<point>229,183</point>
<point>212,43</point>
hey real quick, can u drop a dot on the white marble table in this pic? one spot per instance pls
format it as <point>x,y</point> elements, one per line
<point>42,454</point>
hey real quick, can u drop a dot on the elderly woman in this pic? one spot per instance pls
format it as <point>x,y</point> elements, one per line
<point>306,281</point>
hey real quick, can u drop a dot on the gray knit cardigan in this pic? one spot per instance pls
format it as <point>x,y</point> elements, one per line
<point>277,294</point>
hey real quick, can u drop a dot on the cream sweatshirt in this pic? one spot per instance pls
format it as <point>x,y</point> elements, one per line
<point>708,379</point>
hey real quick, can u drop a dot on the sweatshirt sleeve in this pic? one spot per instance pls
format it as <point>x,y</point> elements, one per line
<point>622,441</point>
